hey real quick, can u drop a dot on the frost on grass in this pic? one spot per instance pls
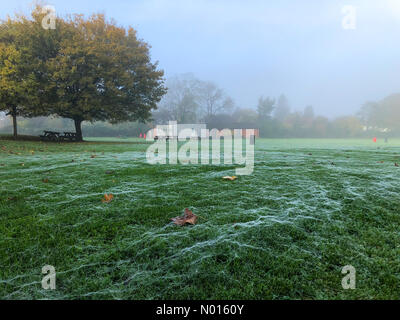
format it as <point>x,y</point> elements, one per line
<point>284,231</point>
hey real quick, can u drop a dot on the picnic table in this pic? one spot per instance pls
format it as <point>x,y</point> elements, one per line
<point>57,137</point>
<point>50,136</point>
<point>69,136</point>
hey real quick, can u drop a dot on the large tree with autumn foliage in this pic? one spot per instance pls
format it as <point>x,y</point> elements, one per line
<point>88,69</point>
<point>18,86</point>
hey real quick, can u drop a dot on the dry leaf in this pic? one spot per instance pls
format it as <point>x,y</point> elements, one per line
<point>45,180</point>
<point>107,198</point>
<point>188,217</point>
<point>230,178</point>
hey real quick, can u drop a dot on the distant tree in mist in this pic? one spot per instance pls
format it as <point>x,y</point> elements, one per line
<point>245,116</point>
<point>265,107</point>
<point>321,126</point>
<point>368,114</point>
<point>181,101</point>
<point>389,112</point>
<point>383,115</point>
<point>309,113</point>
<point>213,100</point>
<point>347,127</point>
<point>282,109</point>
<point>190,100</point>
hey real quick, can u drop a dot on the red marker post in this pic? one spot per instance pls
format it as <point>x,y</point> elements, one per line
<point>374,139</point>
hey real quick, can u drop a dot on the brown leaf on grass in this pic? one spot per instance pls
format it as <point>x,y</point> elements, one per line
<point>93,156</point>
<point>188,217</point>
<point>396,164</point>
<point>107,198</point>
<point>233,178</point>
<point>45,180</point>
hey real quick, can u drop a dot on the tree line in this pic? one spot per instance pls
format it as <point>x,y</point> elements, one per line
<point>86,69</point>
<point>190,100</point>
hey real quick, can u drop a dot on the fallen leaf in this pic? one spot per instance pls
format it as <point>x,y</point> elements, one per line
<point>107,198</point>
<point>45,180</point>
<point>396,164</point>
<point>93,156</point>
<point>188,217</point>
<point>230,178</point>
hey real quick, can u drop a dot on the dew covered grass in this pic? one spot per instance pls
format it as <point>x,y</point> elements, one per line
<point>285,232</point>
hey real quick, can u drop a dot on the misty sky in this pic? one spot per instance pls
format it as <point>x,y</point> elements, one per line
<point>259,47</point>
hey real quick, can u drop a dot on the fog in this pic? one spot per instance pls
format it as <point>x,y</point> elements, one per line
<point>266,48</point>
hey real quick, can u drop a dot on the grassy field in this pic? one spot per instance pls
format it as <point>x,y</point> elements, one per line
<point>284,232</point>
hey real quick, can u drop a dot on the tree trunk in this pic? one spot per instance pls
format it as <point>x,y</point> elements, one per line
<point>78,130</point>
<point>14,120</point>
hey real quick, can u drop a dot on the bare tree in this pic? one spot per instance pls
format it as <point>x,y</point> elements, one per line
<point>213,99</point>
<point>192,100</point>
